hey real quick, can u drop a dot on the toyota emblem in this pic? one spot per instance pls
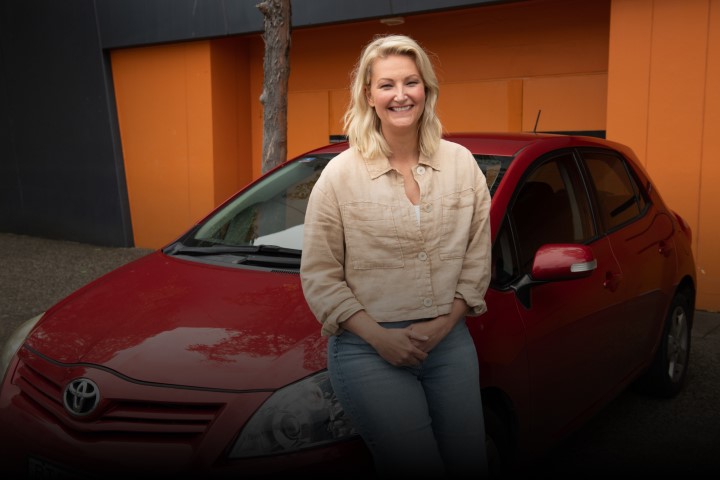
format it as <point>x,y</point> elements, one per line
<point>81,397</point>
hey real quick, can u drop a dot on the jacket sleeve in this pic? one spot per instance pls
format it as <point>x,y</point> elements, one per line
<point>474,277</point>
<point>322,268</point>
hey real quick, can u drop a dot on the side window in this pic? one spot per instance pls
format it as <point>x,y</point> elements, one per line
<point>551,206</point>
<point>619,197</point>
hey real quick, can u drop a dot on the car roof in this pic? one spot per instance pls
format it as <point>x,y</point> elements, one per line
<point>492,143</point>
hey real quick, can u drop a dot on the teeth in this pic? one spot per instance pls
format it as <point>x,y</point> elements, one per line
<point>401,109</point>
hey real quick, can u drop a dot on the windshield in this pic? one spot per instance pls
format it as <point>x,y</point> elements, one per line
<point>272,212</point>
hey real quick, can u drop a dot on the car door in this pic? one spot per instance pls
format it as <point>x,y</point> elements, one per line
<point>570,325</point>
<point>641,236</point>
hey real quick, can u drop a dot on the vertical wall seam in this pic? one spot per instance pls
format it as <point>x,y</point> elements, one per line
<point>696,237</point>
<point>122,194</point>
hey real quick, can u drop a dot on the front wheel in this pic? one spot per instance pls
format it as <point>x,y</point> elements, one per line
<point>667,373</point>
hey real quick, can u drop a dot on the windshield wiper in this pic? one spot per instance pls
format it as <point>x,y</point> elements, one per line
<point>218,249</point>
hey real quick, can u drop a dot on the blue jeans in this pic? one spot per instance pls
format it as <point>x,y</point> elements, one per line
<point>424,421</point>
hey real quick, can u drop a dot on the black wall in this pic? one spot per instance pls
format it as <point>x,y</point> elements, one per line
<point>61,172</point>
<point>61,165</point>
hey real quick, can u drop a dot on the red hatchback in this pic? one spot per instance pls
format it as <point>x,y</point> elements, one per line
<point>204,358</point>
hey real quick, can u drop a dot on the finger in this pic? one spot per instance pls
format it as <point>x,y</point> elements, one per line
<point>415,336</point>
<point>419,354</point>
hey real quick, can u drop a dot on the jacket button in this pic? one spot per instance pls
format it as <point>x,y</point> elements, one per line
<point>420,170</point>
<point>422,256</point>
<point>427,302</point>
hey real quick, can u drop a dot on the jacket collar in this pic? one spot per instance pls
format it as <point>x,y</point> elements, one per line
<point>379,166</point>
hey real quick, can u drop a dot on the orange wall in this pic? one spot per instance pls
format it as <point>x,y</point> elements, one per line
<point>663,101</point>
<point>184,126</point>
<point>231,117</point>
<point>497,66</point>
<point>708,231</point>
<point>191,119</point>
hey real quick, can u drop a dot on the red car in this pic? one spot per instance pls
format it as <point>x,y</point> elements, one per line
<point>204,358</point>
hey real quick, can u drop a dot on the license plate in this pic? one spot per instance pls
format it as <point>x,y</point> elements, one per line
<point>41,469</point>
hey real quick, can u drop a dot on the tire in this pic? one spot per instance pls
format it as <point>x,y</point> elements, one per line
<point>498,443</point>
<point>668,371</point>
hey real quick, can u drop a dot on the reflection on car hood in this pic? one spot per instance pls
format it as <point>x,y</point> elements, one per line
<point>172,321</point>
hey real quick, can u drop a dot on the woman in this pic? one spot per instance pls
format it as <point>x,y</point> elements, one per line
<point>396,252</point>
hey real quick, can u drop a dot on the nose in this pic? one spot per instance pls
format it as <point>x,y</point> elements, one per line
<point>400,95</point>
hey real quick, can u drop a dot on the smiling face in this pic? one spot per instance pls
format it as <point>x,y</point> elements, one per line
<point>397,93</point>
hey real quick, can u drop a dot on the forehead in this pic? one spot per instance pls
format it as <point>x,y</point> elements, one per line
<point>393,65</point>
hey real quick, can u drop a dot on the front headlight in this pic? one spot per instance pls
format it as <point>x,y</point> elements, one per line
<point>302,415</point>
<point>13,343</point>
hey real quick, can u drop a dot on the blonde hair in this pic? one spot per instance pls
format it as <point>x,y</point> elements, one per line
<point>362,124</point>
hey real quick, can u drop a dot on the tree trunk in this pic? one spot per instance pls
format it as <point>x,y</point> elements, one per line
<point>275,84</point>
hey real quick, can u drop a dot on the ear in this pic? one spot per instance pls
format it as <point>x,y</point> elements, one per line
<point>369,98</point>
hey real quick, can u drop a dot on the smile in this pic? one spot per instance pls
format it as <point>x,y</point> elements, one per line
<point>401,109</point>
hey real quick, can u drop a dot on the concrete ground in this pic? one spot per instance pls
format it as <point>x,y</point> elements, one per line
<point>35,273</point>
<point>634,434</point>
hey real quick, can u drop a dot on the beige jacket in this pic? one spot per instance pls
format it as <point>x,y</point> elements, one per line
<point>364,249</point>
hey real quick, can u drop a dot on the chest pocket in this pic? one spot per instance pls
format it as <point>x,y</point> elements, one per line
<point>371,236</point>
<point>457,213</point>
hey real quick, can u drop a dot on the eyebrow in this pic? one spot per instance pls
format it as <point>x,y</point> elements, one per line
<point>414,75</point>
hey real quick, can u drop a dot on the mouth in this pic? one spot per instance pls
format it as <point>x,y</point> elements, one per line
<point>401,109</point>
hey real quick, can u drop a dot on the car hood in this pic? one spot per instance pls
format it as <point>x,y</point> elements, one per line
<point>171,321</point>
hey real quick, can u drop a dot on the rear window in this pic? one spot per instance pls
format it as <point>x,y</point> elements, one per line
<point>619,196</point>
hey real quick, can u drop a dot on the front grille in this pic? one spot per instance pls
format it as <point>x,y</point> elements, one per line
<point>145,416</point>
<point>163,417</point>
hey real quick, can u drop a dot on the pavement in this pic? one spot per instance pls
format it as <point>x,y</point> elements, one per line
<point>35,273</point>
<point>634,434</point>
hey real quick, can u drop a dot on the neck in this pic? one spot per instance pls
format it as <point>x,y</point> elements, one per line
<point>404,146</point>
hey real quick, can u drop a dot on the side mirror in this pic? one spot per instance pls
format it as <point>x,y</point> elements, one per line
<point>563,262</point>
<point>553,263</point>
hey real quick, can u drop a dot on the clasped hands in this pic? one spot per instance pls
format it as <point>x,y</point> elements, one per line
<point>409,346</point>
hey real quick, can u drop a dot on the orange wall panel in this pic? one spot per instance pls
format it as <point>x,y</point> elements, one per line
<point>566,103</point>
<point>339,101</point>
<point>481,106</point>
<point>676,104</point>
<point>310,126</point>
<point>662,102</point>
<point>163,147</point>
<point>629,74</point>
<point>230,118</point>
<point>185,129</point>
<point>528,38</point>
<point>516,40</point>
<point>708,231</point>
<point>199,147</point>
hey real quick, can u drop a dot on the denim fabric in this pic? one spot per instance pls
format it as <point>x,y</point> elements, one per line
<point>424,421</point>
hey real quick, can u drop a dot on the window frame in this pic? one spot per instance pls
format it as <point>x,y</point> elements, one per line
<point>508,225</point>
<point>639,189</point>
